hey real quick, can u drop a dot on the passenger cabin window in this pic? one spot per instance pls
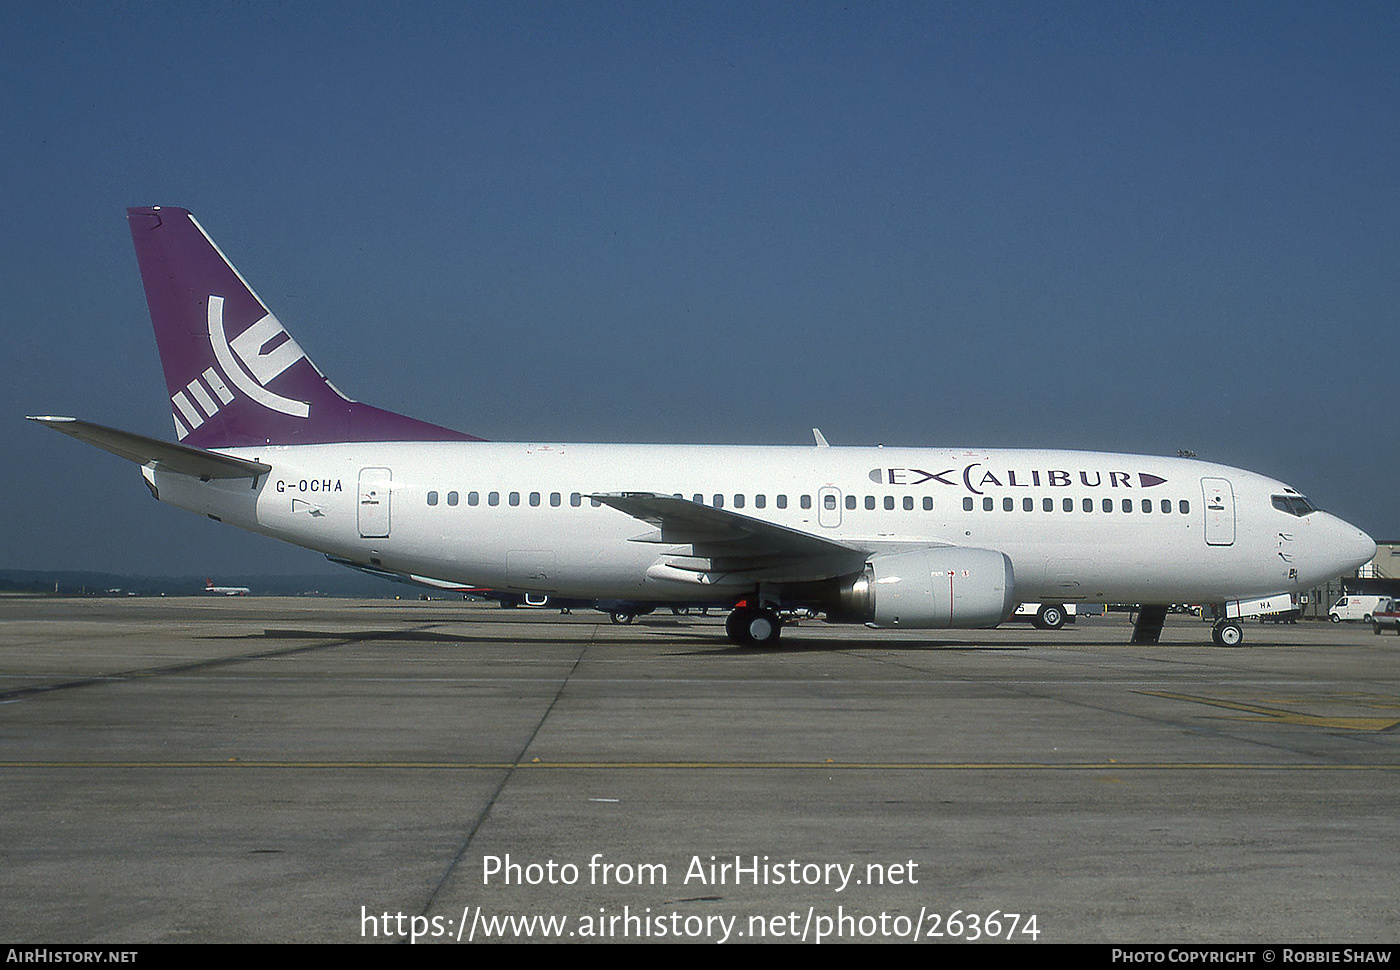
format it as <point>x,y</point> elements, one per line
<point>719,501</point>
<point>908,503</point>
<point>493,498</point>
<point>889,503</point>
<point>1088,505</point>
<point>1048,504</point>
<point>575,499</point>
<point>760,501</point>
<point>806,502</point>
<point>1184,507</point>
<point>535,500</point>
<point>870,501</point>
<point>432,498</point>
<point>555,499</point>
<point>1069,505</point>
<point>928,503</point>
<point>782,501</point>
<point>1027,505</point>
<point>1127,505</point>
<point>738,501</point>
<point>473,498</point>
<point>1008,504</point>
<point>850,501</point>
<point>967,504</point>
<point>988,504</point>
<point>451,498</point>
<point>1108,505</point>
<point>514,498</point>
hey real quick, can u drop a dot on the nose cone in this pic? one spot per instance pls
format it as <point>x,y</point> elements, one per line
<point>1349,545</point>
<point>1365,548</point>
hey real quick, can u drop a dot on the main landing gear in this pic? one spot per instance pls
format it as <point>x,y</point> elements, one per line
<point>750,626</point>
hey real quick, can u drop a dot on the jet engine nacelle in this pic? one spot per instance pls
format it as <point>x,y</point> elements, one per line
<point>930,588</point>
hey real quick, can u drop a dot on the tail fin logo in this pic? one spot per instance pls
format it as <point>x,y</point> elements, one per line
<point>250,361</point>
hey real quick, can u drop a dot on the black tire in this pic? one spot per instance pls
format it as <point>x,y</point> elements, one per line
<point>1228,634</point>
<point>622,618</point>
<point>764,628</point>
<point>1051,616</point>
<point>751,627</point>
<point>733,624</point>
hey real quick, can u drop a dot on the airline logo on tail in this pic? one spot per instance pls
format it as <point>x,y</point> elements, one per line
<point>250,361</point>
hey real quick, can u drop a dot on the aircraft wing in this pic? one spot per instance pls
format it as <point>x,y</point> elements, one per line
<point>726,542</point>
<point>163,455</point>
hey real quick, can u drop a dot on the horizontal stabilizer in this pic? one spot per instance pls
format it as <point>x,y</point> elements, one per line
<point>162,455</point>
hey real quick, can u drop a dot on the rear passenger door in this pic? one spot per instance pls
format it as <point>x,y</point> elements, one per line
<point>374,502</point>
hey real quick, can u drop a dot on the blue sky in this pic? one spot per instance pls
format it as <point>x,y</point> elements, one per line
<point>1125,227</point>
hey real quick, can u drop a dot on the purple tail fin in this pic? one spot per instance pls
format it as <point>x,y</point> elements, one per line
<point>235,376</point>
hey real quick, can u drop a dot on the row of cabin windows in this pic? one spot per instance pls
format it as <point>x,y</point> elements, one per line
<point>535,499</point>
<point>1008,504</point>
<point>1048,505</point>
<point>853,502</point>
<point>513,499</point>
<point>759,501</point>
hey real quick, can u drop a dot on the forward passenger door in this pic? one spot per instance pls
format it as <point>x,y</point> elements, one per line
<point>1220,511</point>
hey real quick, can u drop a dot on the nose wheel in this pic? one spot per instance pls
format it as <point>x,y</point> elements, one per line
<point>1051,616</point>
<point>752,627</point>
<point>1227,633</point>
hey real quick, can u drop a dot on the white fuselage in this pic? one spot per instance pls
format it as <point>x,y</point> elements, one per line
<point>518,517</point>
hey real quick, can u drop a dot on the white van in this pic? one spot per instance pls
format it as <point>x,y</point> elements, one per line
<point>1354,608</point>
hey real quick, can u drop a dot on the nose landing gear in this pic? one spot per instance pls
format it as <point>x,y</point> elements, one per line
<point>1227,633</point>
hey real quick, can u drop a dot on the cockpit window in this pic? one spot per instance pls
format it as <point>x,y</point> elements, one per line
<point>1293,504</point>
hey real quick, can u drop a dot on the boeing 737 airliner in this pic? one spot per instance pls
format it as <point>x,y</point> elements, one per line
<point>911,538</point>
